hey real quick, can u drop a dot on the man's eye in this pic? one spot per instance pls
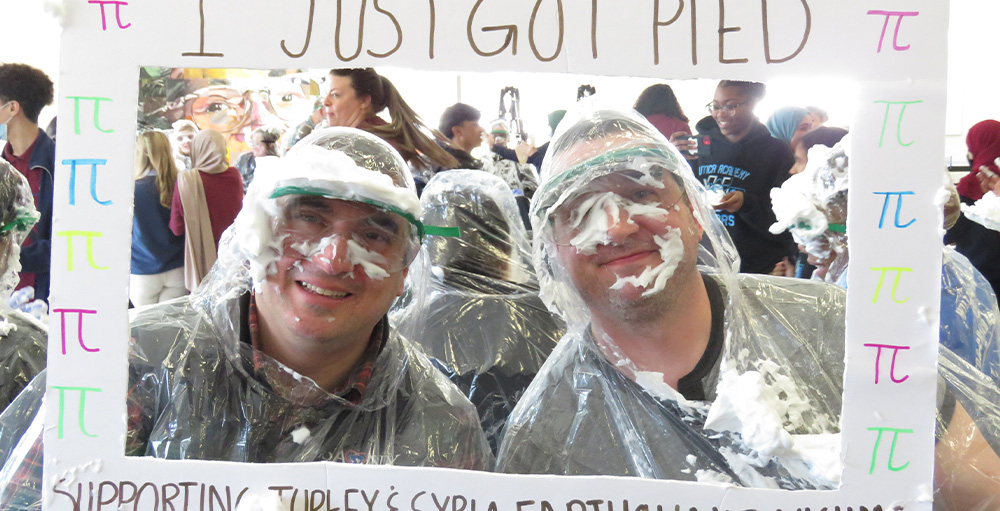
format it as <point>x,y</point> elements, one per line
<point>307,217</point>
<point>378,236</point>
<point>215,107</point>
<point>643,196</point>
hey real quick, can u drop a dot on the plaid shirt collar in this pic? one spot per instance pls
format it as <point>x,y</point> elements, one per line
<point>357,381</point>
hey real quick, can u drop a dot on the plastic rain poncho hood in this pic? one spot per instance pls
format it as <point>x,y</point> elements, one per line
<point>474,300</point>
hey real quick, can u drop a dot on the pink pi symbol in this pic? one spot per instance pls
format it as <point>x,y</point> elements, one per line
<point>118,12</point>
<point>895,33</point>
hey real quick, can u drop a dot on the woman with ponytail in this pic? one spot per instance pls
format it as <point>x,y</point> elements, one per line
<point>357,95</point>
<point>157,272</point>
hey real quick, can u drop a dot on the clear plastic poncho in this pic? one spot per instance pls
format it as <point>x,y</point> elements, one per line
<point>199,390</point>
<point>213,397</point>
<point>738,417</point>
<point>475,308</point>
<point>813,206</point>
<point>594,410</point>
<point>23,338</point>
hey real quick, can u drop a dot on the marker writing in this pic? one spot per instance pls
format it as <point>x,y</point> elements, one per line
<point>93,179</point>
<point>892,367</point>
<point>899,206</point>
<point>118,13</point>
<point>895,33</point>
<point>90,235</point>
<point>899,122</point>
<point>895,283</point>
<point>892,448</point>
<point>97,112</point>
<point>79,327</point>
<point>82,407</point>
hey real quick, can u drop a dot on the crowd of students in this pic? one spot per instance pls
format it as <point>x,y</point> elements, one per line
<point>376,294</point>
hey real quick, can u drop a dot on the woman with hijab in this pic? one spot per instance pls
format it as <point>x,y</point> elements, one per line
<point>157,268</point>
<point>206,201</point>
<point>658,104</point>
<point>979,244</point>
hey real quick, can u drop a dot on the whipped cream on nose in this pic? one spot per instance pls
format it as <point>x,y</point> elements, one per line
<point>371,262</point>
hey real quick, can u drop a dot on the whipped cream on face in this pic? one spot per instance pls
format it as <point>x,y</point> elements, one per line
<point>594,216</point>
<point>655,278</point>
<point>326,171</point>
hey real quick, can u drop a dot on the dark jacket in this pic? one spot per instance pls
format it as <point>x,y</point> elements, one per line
<point>753,165</point>
<point>35,258</point>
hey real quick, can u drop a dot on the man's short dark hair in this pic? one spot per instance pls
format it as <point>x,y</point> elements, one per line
<point>29,86</point>
<point>455,115</point>
<point>755,90</point>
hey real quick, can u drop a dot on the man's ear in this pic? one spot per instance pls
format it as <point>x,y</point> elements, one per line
<point>15,107</point>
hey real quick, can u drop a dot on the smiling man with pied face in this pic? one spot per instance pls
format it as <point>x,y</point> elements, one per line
<point>297,361</point>
<point>661,326</point>
<point>675,366</point>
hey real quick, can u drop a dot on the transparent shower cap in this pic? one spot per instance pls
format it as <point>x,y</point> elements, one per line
<point>589,144</point>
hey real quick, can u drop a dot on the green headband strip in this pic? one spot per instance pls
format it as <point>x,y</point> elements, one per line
<point>21,223</point>
<point>841,228</point>
<point>422,230</point>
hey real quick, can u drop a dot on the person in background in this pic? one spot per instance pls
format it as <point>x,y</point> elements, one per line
<point>538,157</point>
<point>475,308</point>
<point>263,144</point>
<point>181,138</point>
<point>979,244</point>
<point>356,97</point>
<point>739,167</point>
<point>205,203</point>
<point>813,204</point>
<point>460,124</point>
<point>823,135</point>
<point>24,91</point>
<point>23,339</point>
<point>658,104</point>
<point>819,116</point>
<point>789,124</point>
<point>157,272</point>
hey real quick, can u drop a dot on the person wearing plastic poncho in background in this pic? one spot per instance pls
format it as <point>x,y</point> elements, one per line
<point>675,366</point>
<point>812,205</point>
<point>475,306</point>
<point>22,338</point>
<point>284,353</point>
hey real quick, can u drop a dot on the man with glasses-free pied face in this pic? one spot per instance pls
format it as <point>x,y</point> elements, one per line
<point>739,162</point>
